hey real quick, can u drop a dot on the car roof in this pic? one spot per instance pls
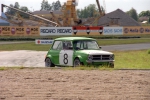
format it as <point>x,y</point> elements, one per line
<point>74,38</point>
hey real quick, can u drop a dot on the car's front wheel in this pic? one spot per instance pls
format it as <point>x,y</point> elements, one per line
<point>48,63</point>
<point>76,62</point>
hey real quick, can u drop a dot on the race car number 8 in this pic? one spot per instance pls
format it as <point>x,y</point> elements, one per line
<point>65,58</point>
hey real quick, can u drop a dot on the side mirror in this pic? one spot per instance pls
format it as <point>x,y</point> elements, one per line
<point>100,47</point>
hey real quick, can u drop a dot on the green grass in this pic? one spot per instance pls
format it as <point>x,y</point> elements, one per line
<point>24,46</point>
<point>7,68</point>
<point>101,42</point>
<point>132,60</point>
<point>149,51</point>
<point>123,60</point>
<point>122,41</point>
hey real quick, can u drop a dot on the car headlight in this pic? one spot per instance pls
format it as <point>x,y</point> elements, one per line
<point>90,57</point>
<point>111,57</point>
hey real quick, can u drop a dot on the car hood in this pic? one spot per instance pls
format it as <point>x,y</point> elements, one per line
<point>95,52</point>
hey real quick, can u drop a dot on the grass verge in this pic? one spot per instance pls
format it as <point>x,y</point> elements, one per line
<point>123,60</point>
<point>101,42</point>
<point>132,60</point>
<point>7,68</point>
<point>149,51</point>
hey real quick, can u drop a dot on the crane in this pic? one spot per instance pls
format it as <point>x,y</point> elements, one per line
<point>35,16</point>
<point>69,15</point>
<point>101,12</point>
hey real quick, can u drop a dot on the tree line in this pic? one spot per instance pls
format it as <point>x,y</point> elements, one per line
<point>89,11</point>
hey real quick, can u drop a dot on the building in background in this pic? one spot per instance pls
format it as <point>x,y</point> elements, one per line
<point>3,22</point>
<point>117,18</point>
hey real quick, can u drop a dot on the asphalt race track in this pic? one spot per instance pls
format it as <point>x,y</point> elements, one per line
<point>26,58</point>
<point>127,47</point>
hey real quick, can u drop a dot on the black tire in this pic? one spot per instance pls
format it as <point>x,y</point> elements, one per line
<point>48,63</point>
<point>76,63</point>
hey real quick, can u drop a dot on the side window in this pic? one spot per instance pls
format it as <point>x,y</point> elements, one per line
<point>77,45</point>
<point>67,45</point>
<point>57,45</point>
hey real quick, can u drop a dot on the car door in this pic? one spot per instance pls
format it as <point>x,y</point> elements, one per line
<point>66,54</point>
<point>57,47</point>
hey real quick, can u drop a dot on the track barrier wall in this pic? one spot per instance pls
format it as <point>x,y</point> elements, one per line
<point>75,31</point>
<point>136,30</point>
<point>87,30</point>
<point>47,31</point>
<point>19,31</point>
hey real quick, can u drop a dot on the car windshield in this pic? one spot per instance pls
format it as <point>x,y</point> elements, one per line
<point>85,44</point>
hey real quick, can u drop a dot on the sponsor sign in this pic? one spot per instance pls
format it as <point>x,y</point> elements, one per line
<point>113,31</point>
<point>18,31</point>
<point>28,31</point>
<point>13,30</point>
<point>44,41</point>
<point>136,30</point>
<point>33,31</point>
<point>87,30</point>
<point>5,31</point>
<point>46,31</point>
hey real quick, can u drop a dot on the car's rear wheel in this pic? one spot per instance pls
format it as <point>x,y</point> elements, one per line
<point>48,63</point>
<point>76,62</point>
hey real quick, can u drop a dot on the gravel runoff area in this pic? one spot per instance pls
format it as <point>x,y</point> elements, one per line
<point>22,58</point>
<point>59,84</point>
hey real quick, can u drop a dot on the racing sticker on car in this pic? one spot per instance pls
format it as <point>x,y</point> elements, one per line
<point>66,57</point>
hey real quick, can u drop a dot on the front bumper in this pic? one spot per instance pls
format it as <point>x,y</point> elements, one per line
<point>99,62</point>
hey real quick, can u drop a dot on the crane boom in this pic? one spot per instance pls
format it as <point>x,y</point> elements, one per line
<point>35,16</point>
<point>99,8</point>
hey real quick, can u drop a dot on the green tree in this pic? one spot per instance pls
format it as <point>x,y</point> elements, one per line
<point>17,5</point>
<point>45,6</point>
<point>89,11</point>
<point>25,9</point>
<point>10,11</point>
<point>56,5</point>
<point>132,13</point>
<point>79,13</point>
<point>144,13</point>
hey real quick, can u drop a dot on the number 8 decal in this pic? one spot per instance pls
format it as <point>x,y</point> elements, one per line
<point>65,58</point>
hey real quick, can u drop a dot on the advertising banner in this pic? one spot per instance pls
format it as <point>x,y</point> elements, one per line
<point>136,30</point>
<point>5,31</point>
<point>87,30</point>
<point>32,31</point>
<point>17,31</point>
<point>44,41</point>
<point>113,31</point>
<point>46,31</point>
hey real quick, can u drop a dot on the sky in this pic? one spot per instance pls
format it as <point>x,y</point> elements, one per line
<point>111,5</point>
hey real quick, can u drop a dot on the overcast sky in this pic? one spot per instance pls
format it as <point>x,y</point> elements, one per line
<point>111,5</point>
